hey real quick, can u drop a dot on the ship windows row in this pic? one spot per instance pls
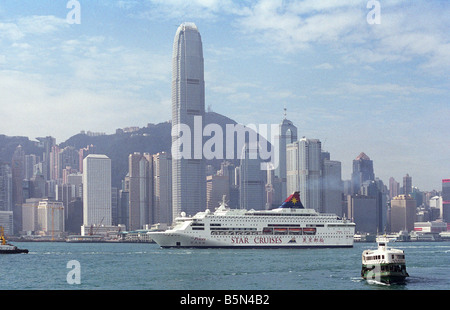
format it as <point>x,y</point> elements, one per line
<point>266,231</point>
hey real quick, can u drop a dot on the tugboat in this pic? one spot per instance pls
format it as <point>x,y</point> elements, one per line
<point>385,265</point>
<point>6,248</point>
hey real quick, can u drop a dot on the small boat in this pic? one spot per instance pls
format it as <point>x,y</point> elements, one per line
<point>7,248</point>
<point>385,265</point>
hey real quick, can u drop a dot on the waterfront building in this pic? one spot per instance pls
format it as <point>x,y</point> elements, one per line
<point>362,210</point>
<point>436,204</point>
<point>188,104</point>
<point>18,174</point>
<point>140,174</point>
<point>430,227</point>
<point>75,216</point>
<point>29,215</point>
<point>96,190</point>
<point>287,135</point>
<point>332,186</point>
<point>445,214</point>
<point>303,169</point>
<point>403,213</point>
<point>6,221</point>
<point>251,179</point>
<point>162,188</point>
<point>50,218</point>
<point>362,171</point>
<point>6,203</point>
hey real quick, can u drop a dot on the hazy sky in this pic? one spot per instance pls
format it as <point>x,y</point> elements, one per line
<point>382,89</point>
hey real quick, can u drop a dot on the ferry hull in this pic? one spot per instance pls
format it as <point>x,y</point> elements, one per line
<point>179,240</point>
<point>388,277</point>
<point>16,251</point>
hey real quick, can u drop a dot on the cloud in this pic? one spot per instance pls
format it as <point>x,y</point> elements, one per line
<point>95,81</point>
<point>325,66</point>
<point>30,25</point>
<point>407,32</point>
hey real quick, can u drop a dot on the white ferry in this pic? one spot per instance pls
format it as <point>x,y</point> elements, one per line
<point>384,264</point>
<point>289,226</point>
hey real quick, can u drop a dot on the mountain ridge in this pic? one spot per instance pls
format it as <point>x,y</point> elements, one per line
<point>152,139</point>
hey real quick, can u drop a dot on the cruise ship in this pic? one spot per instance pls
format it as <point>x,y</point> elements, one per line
<point>288,226</point>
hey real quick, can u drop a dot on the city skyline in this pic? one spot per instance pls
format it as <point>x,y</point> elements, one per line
<point>379,89</point>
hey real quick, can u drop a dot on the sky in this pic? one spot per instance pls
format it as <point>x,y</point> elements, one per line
<point>357,86</point>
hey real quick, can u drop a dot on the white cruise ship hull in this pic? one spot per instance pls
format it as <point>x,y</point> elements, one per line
<point>182,240</point>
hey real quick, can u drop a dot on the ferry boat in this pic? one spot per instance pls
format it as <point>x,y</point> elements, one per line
<point>6,248</point>
<point>386,265</point>
<point>288,226</point>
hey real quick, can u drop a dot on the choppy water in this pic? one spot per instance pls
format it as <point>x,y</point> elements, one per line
<point>126,266</point>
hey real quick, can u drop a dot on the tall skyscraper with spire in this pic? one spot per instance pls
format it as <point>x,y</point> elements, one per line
<point>287,135</point>
<point>188,105</point>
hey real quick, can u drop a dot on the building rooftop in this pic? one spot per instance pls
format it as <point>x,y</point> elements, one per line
<point>362,156</point>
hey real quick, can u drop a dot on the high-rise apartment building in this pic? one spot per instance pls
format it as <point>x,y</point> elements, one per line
<point>97,190</point>
<point>303,166</point>
<point>188,107</point>
<point>362,171</point>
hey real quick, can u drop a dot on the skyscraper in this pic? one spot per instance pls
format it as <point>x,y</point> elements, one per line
<point>446,200</point>
<point>332,186</point>
<point>251,179</point>
<point>97,190</point>
<point>188,104</point>
<point>18,174</point>
<point>303,168</point>
<point>6,203</point>
<point>403,212</point>
<point>362,171</point>
<point>407,185</point>
<point>394,188</point>
<point>288,134</point>
<point>162,188</point>
<point>141,190</point>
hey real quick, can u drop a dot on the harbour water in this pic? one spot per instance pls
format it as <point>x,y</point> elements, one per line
<point>144,266</point>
